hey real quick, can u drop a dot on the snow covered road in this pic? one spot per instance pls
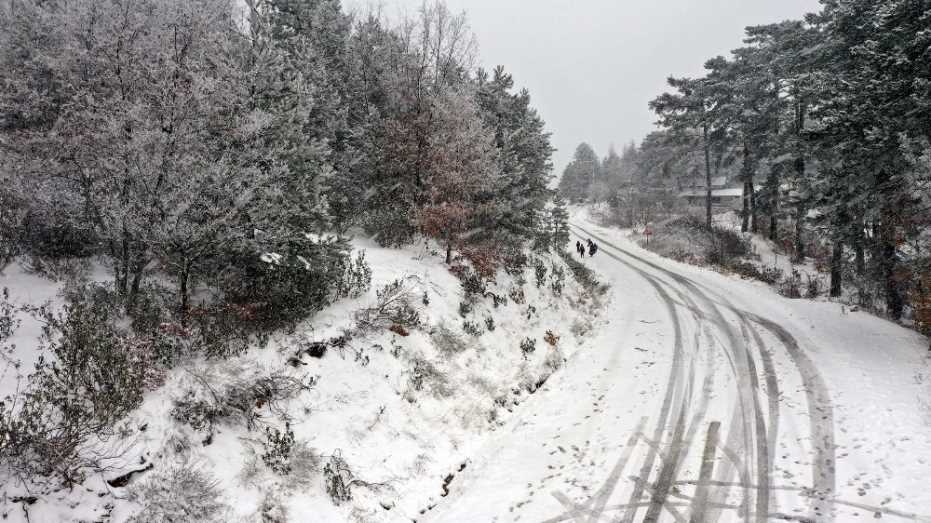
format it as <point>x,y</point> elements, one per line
<point>713,399</point>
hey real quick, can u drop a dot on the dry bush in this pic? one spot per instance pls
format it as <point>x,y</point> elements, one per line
<point>425,376</point>
<point>182,492</point>
<point>447,342</point>
<point>554,360</point>
<point>204,406</point>
<point>272,509</point>
<point>394,307</point>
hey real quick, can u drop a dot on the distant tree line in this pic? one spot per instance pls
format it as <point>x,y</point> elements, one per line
<point>825,122</point>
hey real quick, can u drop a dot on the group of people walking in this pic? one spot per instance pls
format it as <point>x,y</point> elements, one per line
<point>592,248</point>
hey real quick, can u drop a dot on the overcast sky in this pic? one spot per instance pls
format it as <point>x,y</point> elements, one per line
<point>592,65</point>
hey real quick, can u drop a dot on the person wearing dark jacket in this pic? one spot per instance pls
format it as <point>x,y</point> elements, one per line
<point>592,248</point>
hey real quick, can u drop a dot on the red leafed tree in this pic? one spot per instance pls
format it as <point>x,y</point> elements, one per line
<point>460,168</point>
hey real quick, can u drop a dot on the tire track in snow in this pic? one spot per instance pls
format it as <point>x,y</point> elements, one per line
<point>754,431</point>
<point>817,395</point>
<point>673,388</point>
<point>820,418</point>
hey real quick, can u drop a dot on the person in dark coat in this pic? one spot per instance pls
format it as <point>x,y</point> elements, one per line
<point>592,248</point>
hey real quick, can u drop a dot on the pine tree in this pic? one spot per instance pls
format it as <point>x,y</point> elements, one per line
<point>576,182</point>
<point>559,221</point>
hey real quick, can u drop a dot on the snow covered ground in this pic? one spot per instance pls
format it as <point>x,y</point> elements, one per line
<point>405,414</point>
<point>710,398</point>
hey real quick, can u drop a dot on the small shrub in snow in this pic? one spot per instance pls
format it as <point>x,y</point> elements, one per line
<point>182,492</point>
<point>813,288</point>
<point>472,284</point>
<point>75,400</point>
<point>515,260</point>
<point>497,300</point>
<point>745,269</point>
<point>355,278</point>
<point>517,295</point>
<point>539,270</point>
<point>338,480</point>
<point>278,446</point>
<point>726,244</point>
<point>300,276</point>
<point>551,338</point>
<point>204,406</point>
<point>447,342</point>
<point>393,307</point>
<point>528,346</point>
<point>557,280</point>
<point>465,308</point>
<point>272,509</point>
<point>199,414</point>
<point>8,320</point>
<point>490,323</point>
<point>425,376</point>
<point>580,327</point>
<point>553,361</point>
<point>791,286</point>
<point>471,328</point>
<point>426,299</point>
<point>531,311</point>
<point>583,275</point>
<point>484,258</point>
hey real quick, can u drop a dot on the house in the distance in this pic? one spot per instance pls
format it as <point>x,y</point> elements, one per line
<point>721,194</point>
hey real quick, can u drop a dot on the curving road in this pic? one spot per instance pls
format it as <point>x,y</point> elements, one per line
<point>696,403</point>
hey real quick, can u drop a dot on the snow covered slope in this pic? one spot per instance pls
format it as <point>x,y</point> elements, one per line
<point>399,414</point>
<point>710,398</point>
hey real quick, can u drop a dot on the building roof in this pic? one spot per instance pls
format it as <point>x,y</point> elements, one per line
<point>736,192</point>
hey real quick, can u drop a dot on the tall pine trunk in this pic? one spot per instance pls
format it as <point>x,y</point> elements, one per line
<point>801,209</point>
<point>888,261</point>
<point>707,176</point>
<point>745,175</point>
<point>859,248</point>
<point>752,187</point>
<point>837,256</point>
<point>837,269</point>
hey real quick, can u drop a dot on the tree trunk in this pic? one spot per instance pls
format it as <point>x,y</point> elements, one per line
<point>137,282</point>
<point>888,261</point>
<point>449,253</point>
<point>858,247</point>
<point>841,225</point>
<point>183,279</point>
<point>837,269</point>
<point>801,210</point>
<point>752,188</point>
<point>707,177</point>
<point>745,197</point>
<point>122,272</point>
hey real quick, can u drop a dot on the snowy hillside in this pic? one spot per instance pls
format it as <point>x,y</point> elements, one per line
<point>382,424</point>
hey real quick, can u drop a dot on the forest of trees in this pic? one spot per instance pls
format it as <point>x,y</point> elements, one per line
<point>215,162</point>
<point>184,138</point>
<point>825,122</point>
